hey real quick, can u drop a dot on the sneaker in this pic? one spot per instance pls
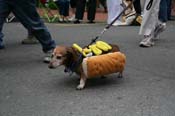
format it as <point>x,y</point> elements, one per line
<point>147,42</point>
<point>72,18</point>
<point>30,40</point>
<point>159,28</point>
<point>48,56</point>
<point>60,20</point>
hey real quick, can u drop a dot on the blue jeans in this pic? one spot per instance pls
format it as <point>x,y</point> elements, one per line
<point>26,13</point>
<point>163,11</point>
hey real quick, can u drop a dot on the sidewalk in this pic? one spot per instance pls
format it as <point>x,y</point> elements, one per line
<point>100,16</point>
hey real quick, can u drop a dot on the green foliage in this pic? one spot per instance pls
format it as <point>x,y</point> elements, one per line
<point>52,5</point>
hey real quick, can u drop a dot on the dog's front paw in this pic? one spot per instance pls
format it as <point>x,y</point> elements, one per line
<point>80,87</point>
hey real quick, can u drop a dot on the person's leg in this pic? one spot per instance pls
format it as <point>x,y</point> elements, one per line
<point>26,12</point>
<point>66,10</point>
<point>169,5</point>
<point>114,9</point>
<point>30,39</point>
<point>103,3</point>
<point>137,6</point>
<point>73,9</point>
<point>91,10</point>
<point>59,3</point>
<point>142,4</point>
<point>80,8</point>
<point>149,22</point>
<point>163,18</point>
<point>163,12</point>
<point>4,12</point>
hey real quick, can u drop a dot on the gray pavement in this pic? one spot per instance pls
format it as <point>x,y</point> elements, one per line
<point>29,88</point>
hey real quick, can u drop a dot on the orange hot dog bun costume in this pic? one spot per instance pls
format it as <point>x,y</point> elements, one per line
<point>104,64</point>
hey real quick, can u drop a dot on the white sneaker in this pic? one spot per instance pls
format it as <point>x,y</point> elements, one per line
<point>72,18</point>
<point>60,19</point>
<point>48,56</point>
<point>147,42</point>
<point>159,28</point>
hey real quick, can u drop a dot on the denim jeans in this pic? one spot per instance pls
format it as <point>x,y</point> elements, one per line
<point>163,11</point>
<point>26,13</point>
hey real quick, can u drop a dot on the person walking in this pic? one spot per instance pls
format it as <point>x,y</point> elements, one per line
<point>152,23</point>
<point>26,13</point>
<point>30,39</point>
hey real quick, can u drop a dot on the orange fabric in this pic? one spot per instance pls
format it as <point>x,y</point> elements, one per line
<point>105,64</point>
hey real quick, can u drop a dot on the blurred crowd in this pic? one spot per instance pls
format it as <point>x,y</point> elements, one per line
<point>73,10</point>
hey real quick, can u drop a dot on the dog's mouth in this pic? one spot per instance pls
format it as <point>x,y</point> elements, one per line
<point>53,65</point>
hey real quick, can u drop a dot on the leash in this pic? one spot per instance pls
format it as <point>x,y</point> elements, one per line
<point>74,65</point>
<point>110,25</point>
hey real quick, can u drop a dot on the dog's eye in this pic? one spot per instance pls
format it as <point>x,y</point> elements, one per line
<point>59,57</point>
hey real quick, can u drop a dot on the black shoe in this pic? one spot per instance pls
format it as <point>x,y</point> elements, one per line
<point>91,22</point>
<point>77,22</point>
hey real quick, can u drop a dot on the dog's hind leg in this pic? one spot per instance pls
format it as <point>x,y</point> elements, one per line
<point>82,82</point>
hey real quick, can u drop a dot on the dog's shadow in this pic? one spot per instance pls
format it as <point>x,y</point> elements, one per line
<point>101,82</point>
<point>97,82</point>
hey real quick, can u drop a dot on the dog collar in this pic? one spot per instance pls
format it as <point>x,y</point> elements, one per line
<point>71,68</point>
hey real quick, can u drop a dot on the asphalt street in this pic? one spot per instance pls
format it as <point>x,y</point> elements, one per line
<point>29,88</point>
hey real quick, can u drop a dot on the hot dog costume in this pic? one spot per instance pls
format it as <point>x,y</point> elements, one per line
<point>104,64</point>
<point>101,64</point>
